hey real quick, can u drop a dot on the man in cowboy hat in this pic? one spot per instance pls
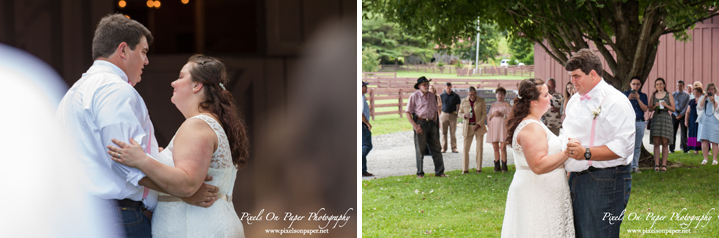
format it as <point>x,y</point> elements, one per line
<point>422,114</point>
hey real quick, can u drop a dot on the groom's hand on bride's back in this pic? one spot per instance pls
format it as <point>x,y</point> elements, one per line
<point>205,196</point>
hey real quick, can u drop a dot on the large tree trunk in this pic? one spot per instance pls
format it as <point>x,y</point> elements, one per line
<point>647,158</point>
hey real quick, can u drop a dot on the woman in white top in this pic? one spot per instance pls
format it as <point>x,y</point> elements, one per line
<point>538,201</point>
<point>708,121</point>
<point>211,142</point>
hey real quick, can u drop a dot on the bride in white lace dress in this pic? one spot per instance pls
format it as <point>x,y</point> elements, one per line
<point>538,201</point>
<point>211,142</point>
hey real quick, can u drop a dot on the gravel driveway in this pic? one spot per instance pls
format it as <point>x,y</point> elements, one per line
<point>393,154</point>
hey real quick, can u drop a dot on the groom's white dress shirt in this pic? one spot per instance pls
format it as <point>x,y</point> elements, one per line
<point>101,106</point>
<point>615,126</point>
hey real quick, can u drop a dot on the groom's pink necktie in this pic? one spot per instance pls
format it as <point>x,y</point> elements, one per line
<point>594,125</point>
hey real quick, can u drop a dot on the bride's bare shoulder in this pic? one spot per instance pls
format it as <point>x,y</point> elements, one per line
<point>531,132</point>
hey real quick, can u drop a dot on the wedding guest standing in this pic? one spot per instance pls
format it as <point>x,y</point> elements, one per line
<point>709,122</point>
<point>690,119</point>
<point>422,114</point>
<point>639,103</point>
<point>497,129</point>
<point>662,103</point>
<point>439,100</point>
<point>474,112</point>
<point>366,132</point>
<point>690,89</point>
<point>448,119</point>
<point>568,92</point>
<point>681,100</point>
<point>553,117</point>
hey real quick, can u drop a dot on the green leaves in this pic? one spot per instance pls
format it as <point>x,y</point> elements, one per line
<point>370,60</point>
<point>626,32</point>
<point>390,41</point>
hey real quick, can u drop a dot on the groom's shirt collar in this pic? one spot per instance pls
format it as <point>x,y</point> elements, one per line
<point>596,93</point>
<point>113,67</point>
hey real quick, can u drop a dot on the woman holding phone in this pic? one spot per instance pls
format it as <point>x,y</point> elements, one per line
<point>661,132</point>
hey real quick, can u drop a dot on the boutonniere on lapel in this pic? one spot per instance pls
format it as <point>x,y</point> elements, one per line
<point>596,112</point>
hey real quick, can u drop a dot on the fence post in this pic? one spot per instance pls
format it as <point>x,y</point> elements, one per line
<point>400,103</point>
<point>371,103</point>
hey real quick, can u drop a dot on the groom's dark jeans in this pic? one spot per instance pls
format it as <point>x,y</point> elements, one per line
<point>428,139</point>
<point>132,219</point>
<point>597,195</point>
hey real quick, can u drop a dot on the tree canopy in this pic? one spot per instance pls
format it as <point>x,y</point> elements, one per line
<point>391,42</point>
<point>467,48</point>
<point>629,29</point>
<point>522,50</point>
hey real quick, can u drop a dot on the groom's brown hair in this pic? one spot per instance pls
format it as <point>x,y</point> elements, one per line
<point>114,29</point>
<point>585,60</point>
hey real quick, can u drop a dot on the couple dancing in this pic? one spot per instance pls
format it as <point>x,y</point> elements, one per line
<point>189,184</point>
<point>596,146</point>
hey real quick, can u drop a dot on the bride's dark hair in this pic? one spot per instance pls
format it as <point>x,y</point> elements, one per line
<point>528,91</point>
<point>211,73</point>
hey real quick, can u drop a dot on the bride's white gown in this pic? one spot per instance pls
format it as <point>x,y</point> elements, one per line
<point>538,205</point>
<point>179,219</point>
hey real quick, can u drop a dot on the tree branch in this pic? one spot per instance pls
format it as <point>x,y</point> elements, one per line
<point>555,57</point>
<point>685,26</point>
<point>560,54</point>
<point>644,37</point>
<point>649,63</point>
<point>565,38</point>
<point>611,62</point>
<point>603,35</point>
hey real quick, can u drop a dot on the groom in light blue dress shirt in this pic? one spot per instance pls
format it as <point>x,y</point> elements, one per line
<point>104,105</point>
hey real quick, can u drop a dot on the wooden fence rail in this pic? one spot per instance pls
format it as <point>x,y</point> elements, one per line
<point>404,87</point>
<point>466,71</point>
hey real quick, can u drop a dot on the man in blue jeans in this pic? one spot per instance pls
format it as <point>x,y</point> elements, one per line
<point>599,130</point>
<point>639,104</point>
<point>366,132</point>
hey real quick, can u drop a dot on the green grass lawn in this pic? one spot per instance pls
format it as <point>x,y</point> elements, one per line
<point>411,74</point>
<point>385,124</point>
<point>473,205</point>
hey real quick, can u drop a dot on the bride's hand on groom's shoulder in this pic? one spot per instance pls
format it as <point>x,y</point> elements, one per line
<point>128,154</point>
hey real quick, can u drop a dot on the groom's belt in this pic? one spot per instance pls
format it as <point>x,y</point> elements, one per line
<point>168,198</point>
<point>592,169</point>
<point>130,203</point>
